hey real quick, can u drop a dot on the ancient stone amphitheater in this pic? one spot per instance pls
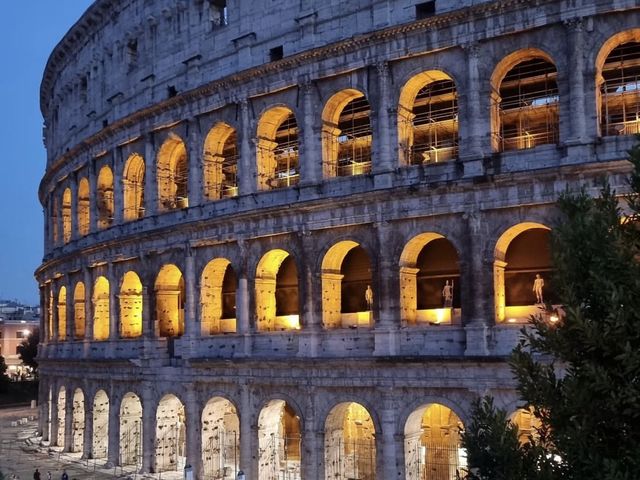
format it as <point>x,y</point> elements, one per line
<point>298,238</point>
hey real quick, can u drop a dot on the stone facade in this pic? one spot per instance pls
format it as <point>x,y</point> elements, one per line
<point>215,206</point>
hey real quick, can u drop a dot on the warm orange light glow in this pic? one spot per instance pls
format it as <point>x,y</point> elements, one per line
<point>62,314</point>
<point>101,309</point>
<point>131,306</point>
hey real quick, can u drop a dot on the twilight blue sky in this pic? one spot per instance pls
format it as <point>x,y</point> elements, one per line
<point>29,30</point>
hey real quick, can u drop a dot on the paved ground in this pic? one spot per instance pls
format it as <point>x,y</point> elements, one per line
<point>21,453</point>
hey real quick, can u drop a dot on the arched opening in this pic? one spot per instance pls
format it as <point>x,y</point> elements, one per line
<point>131,306</point>
<point>62,313</point>
<point>170,435</point>
<point>170,297</point>
<point>432,446</point>
<point>428,119</point>
<point>100,440</point>
<point>279,442</point>
<point>525,102</point>
<point>277,150</point>
<point>131,430</point>
<point>173,175</point>
<point>346,134</point>
<point>62,397</point>
<point>133,182</point>
<point>527,423</point>
<point>220,439</point>
<point>105,197</point>
<point>101,309</point>
<point>277,303</point>
<point>66,215</point>
<point>79,312</point>
<point>618,81</point>
<point>84,201</point>
<point>349,443</point>
<point>347,294</point>
<point>430,281</point>
<point>77,445</point>
<point>220,162</point>
<point>522,265</point>
<point>218,297</point>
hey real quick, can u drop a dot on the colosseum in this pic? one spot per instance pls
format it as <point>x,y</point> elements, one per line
<point>296,239</point>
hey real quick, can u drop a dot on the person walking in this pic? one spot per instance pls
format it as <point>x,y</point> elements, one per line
<point>36,475</point>
<point>48,475</point>
<point>64,475</point>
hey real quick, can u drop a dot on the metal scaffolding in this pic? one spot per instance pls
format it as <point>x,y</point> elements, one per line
<point>620,91</point>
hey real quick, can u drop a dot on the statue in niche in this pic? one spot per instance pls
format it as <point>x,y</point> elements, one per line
<point>368,296</point>
<point>447,294</point>
<point>538,285</point>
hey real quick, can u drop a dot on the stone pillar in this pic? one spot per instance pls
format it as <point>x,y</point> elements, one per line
<point>246,163</point>
<point>148,430</point>
<point>383,162</point>
<point>87,439</point>
<point>150,179</point>
<point>53,427</point>
<point>88,303</point>
<point>55,288</point>
<point>117,167</point>
<point>385,294</point>
<point>311,294</point>
<point>248,455</point>
<point>194,161</point>
<point>113,449</point>
<point>194,432</point>
<point>73,186</point>
<point>93,197</point>
<point>147,315</point>
<point>68,419</point>
<point>44,328</point>
<point>311,155</point>
<point>242,300</point>
<point>70,312</point>
<point>312,447</point>
<point>471,151</point>
<point>389,461</point>
<point>114,328</point>
<point>43,408</point>
<point>575,62</point>
<point>191,328</point>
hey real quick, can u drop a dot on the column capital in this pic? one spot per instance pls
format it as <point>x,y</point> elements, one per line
<point>472,49</point>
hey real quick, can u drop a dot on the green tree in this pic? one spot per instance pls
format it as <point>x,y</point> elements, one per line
<point>582,374</point>
<point>28,349</point>
<point>4,380</point>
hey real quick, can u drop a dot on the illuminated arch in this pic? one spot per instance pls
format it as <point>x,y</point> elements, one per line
<point>77,444</point>
<point>50,307</point>
<point>220,437</point>
<point>131,306</point>
<point>279,440</point>
<point>133,182</point>
<point>220,162</point>
<point>349,443</point>
<point>79,312</point>
<point>170,434</point>
<point>173,174</point>
<point>105,197</point>
<point>527,423</point>
<point>346,134</point>
<point>62,313</point>
<point>428,265</point>
<point>66,215</point>
<point>218,297</point>
<point>618,84</point>
<point>500,268</point>
<point>524,101</point>
<point>277,302</point>
<point>101,309</point>
<point>170,298</point>
<point>428,119</point>
<point>432,446</point>
<point>344,288</point>
<point>277,149</point>
<point>84,201</point>
<point>100,412</point>
<point>131,432</point>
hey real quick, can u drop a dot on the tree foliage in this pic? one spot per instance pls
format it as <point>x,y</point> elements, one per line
<point>28,349</point>
<point>4,380</point>
<point>582,374</point>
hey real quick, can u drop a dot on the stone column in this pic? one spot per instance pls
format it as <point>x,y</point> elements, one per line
<point>113,449</point>
<point>117,167</point>
<point>312,447</point>
<point>43,408</point>
<point>242,300</point>
<point>53,435</point>
<point>194,161</point>
<point>194,431</point>
<point>311,295</point>
<point>114,328</point>
<point>575,50</point>
<point>87,439</point>
<point>385,295</point>
<point>88,304</point>
<point>246,162</point>
<point>73,186</point>
<point>68,419</point>
<point>71,314</point>
<point>311,155</point>
<point>93,202</point>
<point>248,455</point>
<point>148,430</point>
<point>150,179</point>
<point>44,328</point>
<point>390,459</point>
<point>55,288</point>
<point>191,328</point>
<point>471,151</point>
<point>383,162</point>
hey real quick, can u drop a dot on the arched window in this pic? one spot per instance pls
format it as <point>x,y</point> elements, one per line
<point>131,433</point>
<point>100,440</point>
<point>83,206</point>
<point>525,100</point>
<point>277,303</point>
<point>619,82</point>
<point>173,175</point>
<point>170,298</point>
<point>170,434</point>
<point>218,297</point>
<point>220,162</point>
<point>62,313</point>
<point>133,181</point>
<point>277,151</point>
<point>279,438</point>
<point>131,306</point>
<point>220,437</point>
<point>66,215</point>
<point>346,134</point>
<point>105,197</point>
<point>428,119</point>
<point>77,445</point>
<point>79,312</point>
<point>101,308</point>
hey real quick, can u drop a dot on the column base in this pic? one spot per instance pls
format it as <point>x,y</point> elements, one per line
<point>386,342</point>
<point>477,340</point>
<point>383,180</point>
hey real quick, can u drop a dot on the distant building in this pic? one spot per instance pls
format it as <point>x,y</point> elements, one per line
<point>17,322</point>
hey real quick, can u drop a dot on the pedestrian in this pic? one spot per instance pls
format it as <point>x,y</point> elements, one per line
<point>48,475</point>
<point>36,475</point>
<point>64,475</point>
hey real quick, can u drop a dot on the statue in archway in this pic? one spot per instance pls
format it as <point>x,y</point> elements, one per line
<point>538,285</point>
<point>368,296</point>
<point>447,294</point>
